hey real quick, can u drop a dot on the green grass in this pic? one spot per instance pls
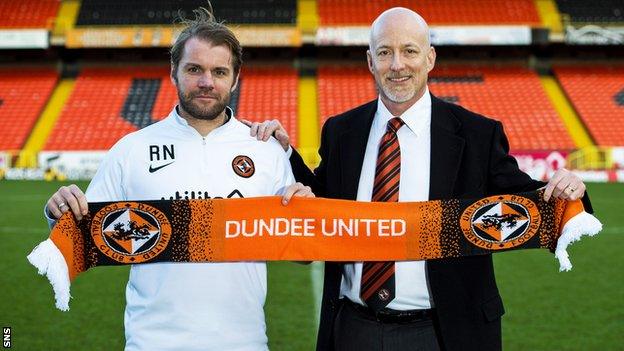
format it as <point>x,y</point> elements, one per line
<point>546,310</point>
<point>577,310</point>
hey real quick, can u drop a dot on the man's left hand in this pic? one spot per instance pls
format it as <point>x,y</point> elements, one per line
<point>296,189</point>
<point>564,185</point>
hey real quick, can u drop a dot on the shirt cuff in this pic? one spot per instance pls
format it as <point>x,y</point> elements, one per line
<point>289,151</point>
<point>48,217</point>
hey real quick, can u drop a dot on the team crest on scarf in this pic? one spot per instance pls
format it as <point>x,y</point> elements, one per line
<point>500,222</point>
<point>243,166</point>
<point>131,232</point>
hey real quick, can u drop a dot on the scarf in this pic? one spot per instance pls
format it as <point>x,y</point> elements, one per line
<point>307,229</point>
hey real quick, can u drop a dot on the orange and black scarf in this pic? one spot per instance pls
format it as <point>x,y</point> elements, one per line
<point>262,229</point>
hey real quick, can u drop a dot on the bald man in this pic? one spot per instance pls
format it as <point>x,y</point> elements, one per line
<point>408,145</point>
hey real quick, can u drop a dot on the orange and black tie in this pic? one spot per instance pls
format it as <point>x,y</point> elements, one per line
<point>377,288</point>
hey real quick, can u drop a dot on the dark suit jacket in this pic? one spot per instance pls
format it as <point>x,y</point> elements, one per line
<point>469,158</point>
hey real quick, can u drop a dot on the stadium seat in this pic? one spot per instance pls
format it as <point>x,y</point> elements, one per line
<point>23,95</point>
<point>270,93</point>
<point>590,11</point>
<point>512,95</point>
<point>28,13</point>
<point>132,12</point>
<point>341,88</point>
<point>597,94</point>
<point>108,103</point>
<point>437,12</point>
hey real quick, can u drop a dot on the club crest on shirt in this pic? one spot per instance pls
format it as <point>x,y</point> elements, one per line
<point>243,166</point>
<point>500,222</point>
<point>130,232</point>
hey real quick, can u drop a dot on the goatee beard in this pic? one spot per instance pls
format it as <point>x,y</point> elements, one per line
<point>186,103</point>
<point>395,97</point>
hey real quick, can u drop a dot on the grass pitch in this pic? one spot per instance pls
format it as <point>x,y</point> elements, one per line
<point>546,310</point>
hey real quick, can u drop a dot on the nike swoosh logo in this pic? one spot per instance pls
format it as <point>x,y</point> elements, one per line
<point>154,169</point>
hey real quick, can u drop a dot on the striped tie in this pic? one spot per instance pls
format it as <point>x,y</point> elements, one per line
<point>377,286</point>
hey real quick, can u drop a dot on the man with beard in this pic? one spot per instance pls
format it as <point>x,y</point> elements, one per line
<point>408,145</point>
<point>199,151</point>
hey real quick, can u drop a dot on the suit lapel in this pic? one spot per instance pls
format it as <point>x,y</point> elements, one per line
<point>446,150</point>
<point>353,147</point>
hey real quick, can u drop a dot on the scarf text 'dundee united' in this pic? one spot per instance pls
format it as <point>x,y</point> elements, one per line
<point>262,229</point>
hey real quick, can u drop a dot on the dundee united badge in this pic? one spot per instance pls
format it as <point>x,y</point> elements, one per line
<point>500,222</point>
<point>243,166</point>
<point>130,232</point>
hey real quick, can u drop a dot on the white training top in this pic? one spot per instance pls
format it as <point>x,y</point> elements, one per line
<point>193,306</point>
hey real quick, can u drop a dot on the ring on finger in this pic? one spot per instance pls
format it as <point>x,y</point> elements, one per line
<point>61,205</point>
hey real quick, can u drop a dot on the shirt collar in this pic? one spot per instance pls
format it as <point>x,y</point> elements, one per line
<point>417,117</point>
<point>179,121</point>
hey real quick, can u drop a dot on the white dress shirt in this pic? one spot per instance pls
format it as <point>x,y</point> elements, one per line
<point>415,141</point>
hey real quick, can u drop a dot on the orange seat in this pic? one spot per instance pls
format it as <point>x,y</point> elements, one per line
<point>28,13</point>
<point>514,96</point>
<point>23,95</point>
<point>597,94</point>
<point>270,93</point>
<point>91,118</point>
<point>436,12</point>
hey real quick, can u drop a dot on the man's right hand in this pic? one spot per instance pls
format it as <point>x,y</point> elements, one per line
<point>264,130</point>
<point>68,198</point>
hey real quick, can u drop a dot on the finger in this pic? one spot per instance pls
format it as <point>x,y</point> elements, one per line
<point>268,131</point>
<point>53,208</point>
<point>261,128</point>
<point>569,183</point>
<point>273,127</point>
<point>290,191</point>
<point>253,130</point>
<point>578,192</point>
<point>82,199</point>
<point>552,183</point>
<point>568,186</point>
<point>246,122</point>
<point>575,195</point>
<point>60,203</point>
<point>71,201</point>
<point>282,136</point>
<point>564,194</point>
<point>561,190</point>
<point>305,191</point>
<point>283,139</point>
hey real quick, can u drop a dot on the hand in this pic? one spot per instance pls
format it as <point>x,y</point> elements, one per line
<point>296,189</point>
<point>264,130</point>
<point>564,185</point>
<point>68,198</point>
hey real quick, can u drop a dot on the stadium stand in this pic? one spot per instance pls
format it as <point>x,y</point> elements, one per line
<point>164,12</point>
<point>437,12</point>
<point>591,11</point>
<point>597,94</point>
<point>341,88</point>
<point>25,14</point>
<point>268,93</point>
<point>512,95</point>
<point>108,103</point>
<point>23,95</point>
